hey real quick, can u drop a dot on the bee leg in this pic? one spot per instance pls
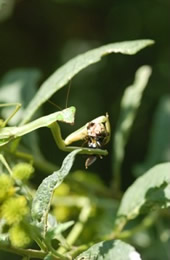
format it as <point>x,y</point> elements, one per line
<point>84,143</point>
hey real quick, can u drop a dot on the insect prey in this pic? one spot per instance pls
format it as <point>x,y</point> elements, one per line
<point>98,134</point>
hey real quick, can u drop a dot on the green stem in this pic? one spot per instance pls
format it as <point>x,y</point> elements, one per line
<point>78,250</point>
<point>39,243</point>
<point>116,184</point>
<point>160,228</point>
<point>31,253</point>
<point>118,228</point>
<point>34,235</point>
<point>4,162</point>
<point>56,254</point>
<point>145,224</point>
<point>38,162</point>
<point>78,227</point>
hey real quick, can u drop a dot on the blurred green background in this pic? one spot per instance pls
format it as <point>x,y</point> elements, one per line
<point>42,35</point>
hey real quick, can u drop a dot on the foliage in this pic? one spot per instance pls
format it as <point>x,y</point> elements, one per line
<point>94,218</point>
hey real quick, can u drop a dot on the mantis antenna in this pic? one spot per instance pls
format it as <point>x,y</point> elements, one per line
<point>67,97</point>
<point>95,133</point>
<point>68,93</point>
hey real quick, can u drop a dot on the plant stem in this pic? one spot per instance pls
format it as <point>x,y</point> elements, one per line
<point>77,250</point>
<point>78,227</point>
<point>145,224</point>
<point>56,254</point>
<point>118,233</point>
<point>31,253</point>
<point>118,228</point>
<point>38,161</point>
<point>4,162</point>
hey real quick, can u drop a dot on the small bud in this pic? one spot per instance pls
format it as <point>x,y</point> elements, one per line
<point>19,236</point>
<point>22,171</point>
<point>14,209</point>
<point>6,186</point>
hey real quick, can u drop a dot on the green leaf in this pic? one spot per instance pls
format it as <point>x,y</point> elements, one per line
<point>49,257</point>
<point>64,74</point>
<point>110,250</point>
<point>43,196</point>
<point>55,229</point>
<point>159,145</point>
<point>6,9</point>
<point>129,105</point>
<point>9,133</point>
<point>60,227</point>
<point>22,85</point>
<point>147,192</point>
<point>4,239</point>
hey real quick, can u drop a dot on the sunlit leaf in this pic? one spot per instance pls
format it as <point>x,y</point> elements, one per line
<point>43,196</point>
<point>65,73</point>
<point>49,257</point>
<point>159,145</point>
<point>108,250</point>
<point>54,232</point>
<point>151,190</point>
<point>22,86</point>
<point>129,105</point>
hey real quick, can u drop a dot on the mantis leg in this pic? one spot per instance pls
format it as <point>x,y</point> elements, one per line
<point>17,107</point>
<point>4,162</point>
<point>56,132</point>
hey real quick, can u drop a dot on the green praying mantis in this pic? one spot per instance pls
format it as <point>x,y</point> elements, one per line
<point>95,133</point>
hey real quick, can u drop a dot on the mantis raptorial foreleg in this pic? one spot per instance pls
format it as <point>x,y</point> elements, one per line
<point>96,134</point>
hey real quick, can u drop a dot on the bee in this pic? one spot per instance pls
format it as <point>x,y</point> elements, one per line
<point>98,135</point>
<point>95,134</point>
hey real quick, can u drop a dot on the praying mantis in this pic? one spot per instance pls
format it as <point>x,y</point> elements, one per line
<point>95,133</point>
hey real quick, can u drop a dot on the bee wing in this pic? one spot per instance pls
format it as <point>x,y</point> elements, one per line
<point>90,160</point>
